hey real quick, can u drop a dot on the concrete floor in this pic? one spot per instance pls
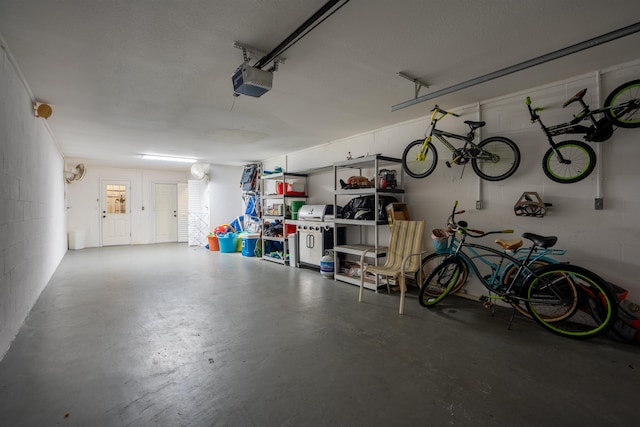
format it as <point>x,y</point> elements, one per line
<point>173,336</point>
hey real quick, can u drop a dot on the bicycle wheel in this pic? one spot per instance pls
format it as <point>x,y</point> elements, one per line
<point>440,282</point>
<point>579,301</point>
<point>499,159</point>
<point>623,105</point>
<point>430,263</point>
<point>413,162</point>
<point>579,161</point>
<point>520,305</point>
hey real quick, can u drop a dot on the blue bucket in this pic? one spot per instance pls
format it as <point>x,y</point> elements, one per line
<point>228,242</point>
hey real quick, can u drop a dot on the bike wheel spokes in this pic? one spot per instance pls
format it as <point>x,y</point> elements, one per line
<point>623,105</point>
<point>416,163</point>
<point>509,275</point>
<point>577,162</point>
<point>430,263</point>
<point>570,301</point>
<point>497,159</point>
<point>440,283</point>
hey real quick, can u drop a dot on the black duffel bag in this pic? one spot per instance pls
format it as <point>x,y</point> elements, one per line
<point>363,207</point>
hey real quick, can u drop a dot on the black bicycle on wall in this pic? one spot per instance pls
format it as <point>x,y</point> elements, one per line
<point>493,159</point>
<point>572,161</point>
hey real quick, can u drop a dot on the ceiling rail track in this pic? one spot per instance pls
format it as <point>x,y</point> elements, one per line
<point>596,41</point>
<point>317,18</point>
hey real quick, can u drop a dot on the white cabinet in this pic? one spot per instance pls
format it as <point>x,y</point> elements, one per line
<point>385,175</point>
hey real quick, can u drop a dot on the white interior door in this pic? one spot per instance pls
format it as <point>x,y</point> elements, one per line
<point>166,212</point>
<point>116,214</point>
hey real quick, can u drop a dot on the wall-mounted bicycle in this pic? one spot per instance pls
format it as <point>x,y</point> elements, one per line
<point>494,159</point>
<point>572,161</point>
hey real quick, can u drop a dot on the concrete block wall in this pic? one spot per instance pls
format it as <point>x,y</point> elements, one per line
<point>32,214</point>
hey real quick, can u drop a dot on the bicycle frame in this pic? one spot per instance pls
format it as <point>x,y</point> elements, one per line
<point>442,135</point>
<point>525,255</point>
<point>599,130</point>
<point>493,281</point>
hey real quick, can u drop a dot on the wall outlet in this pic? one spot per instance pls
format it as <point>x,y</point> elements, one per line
<point>599,204</point>
<point>478,204</point>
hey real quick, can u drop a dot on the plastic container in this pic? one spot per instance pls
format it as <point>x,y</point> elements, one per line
<point>228,243</point>
<point>295,207</point>
<point>213,243</point>
<point>249,242</point>
<point>280,187</point>
<point>76,239</point>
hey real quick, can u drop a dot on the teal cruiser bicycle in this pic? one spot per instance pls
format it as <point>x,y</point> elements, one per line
<point>565,299</point>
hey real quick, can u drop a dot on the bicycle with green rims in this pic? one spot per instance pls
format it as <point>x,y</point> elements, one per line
<point>572,161</point>
<point>535,256</point>
<point>563,298</point>
<point>493,159</point>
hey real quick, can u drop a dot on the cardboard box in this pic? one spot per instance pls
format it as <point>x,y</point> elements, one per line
<point>397,212</point>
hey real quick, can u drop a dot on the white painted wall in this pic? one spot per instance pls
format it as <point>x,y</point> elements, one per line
<point>32,217</point>
<point>83,200</point>
<point>606,241</point>
<point>225,194</point>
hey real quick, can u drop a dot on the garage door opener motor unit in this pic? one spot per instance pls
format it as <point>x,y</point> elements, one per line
<point>251,81</point>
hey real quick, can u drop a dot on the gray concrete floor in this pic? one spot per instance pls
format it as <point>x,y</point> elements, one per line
<point>173,336</point>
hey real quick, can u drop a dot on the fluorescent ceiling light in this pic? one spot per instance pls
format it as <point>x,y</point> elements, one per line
<point>168,158</point>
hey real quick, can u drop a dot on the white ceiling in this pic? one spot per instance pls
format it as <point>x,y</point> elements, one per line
<point>147,76</point>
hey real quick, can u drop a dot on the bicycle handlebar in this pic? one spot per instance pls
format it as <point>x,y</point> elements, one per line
<point>437,109</point>
<point>533,111</point>
<point>462,226</point>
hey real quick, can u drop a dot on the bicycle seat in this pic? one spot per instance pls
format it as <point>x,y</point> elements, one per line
<point>474,125</point>
<point>510,245</point>
<point>542,241</point>
<point>575,97</point>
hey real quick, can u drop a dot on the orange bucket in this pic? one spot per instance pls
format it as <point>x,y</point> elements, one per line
<point>214,245</point>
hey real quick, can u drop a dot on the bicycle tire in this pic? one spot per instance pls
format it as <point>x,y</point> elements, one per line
<point>419,168</point>
<point>580,161</point>
<point>520,305</point>
<point>627,92</point>
<point>431,262</point>
<point>440,282</point>
<point>505,164</point>
<point>547,290</point>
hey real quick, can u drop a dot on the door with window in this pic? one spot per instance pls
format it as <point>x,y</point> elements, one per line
<point>166,212</point>
<point>116,213</point>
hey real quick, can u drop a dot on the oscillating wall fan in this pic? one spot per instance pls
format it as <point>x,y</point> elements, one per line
<point>75,174</point>
<point>199,171</point>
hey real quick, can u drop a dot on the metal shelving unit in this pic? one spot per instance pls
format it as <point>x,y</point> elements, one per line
<point>368,230</point>
<point>275,208</point>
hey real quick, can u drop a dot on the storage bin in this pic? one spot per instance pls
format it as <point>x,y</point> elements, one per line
<point>249,242</point>
<point>213,243</point>
<point>228,243</point>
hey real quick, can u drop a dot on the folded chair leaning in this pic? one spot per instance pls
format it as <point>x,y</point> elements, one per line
<point>403,256</point>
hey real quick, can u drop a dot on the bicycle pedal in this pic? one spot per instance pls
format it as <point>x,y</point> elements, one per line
<point>448,164</point>
<point>487,304</point>
<point>482,298</point>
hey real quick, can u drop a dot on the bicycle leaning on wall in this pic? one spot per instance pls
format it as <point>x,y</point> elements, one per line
<point>565,299</point>
<point>493,159</point>
<point>572,161</point>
